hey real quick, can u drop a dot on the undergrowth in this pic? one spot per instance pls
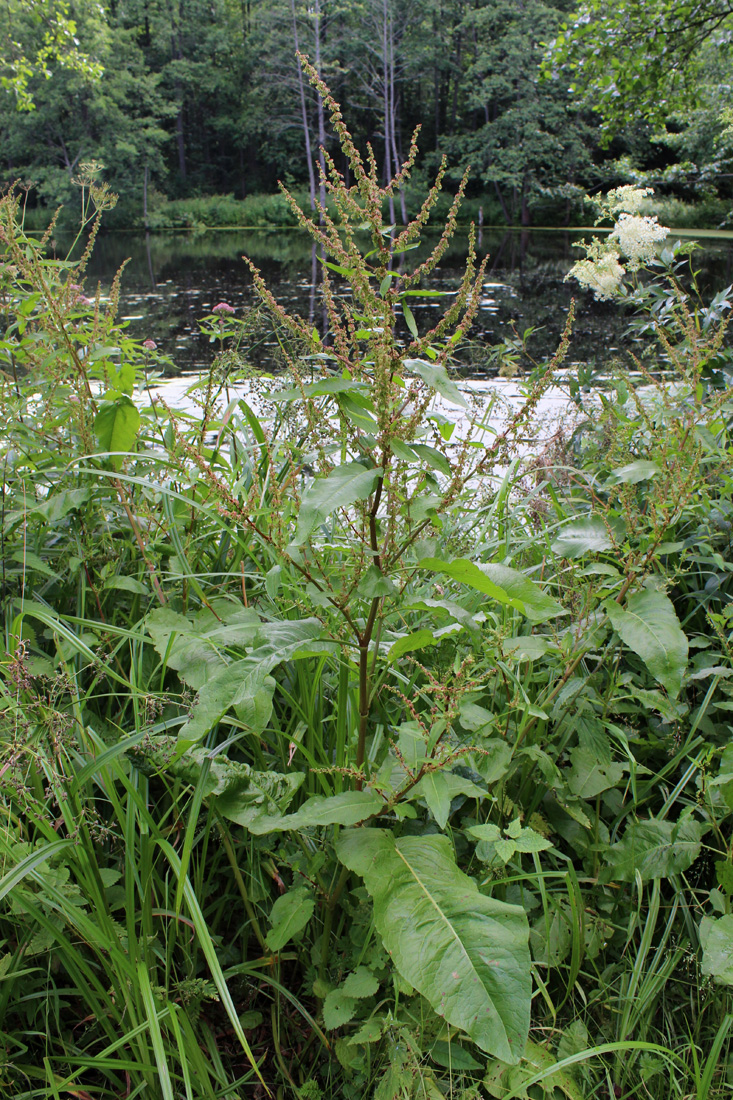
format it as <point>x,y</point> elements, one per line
<point>355,741</point>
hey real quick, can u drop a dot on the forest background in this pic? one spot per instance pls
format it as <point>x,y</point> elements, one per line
<point>184,100</point>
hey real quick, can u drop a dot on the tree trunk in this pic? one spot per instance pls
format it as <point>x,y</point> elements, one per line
<point>321,116</point>
<point>526,214</point>
<point>304,116</point>
<point>393,114</point>
<point>503,204</point>
<point>388,173</point>
<point>177,52</point>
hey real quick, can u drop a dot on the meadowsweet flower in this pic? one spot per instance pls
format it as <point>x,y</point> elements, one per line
<point>222,308</point>
<point>149,345</point>
<point>637,238</point>
<point>602,273</point>
<point>627,199</point>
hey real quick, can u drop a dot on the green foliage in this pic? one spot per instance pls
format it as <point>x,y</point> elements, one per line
<point>346,750</point>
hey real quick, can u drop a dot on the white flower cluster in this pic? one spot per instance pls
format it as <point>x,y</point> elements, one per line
<point>634,236</point>
<point>627,199</point>
<point>602,275</point>
<point>637,238</point>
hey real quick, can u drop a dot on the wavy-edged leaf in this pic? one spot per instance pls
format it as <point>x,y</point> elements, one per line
<point>338,1009</point>
<point>505,585</point>
<point>649,626</point>
<point>361,983</point>
<point>591,775</point>
<point>515,1081</point>
<point>655,849</point>
<point>468,954</point>
<point>344,486</point>
<point>246,685</point>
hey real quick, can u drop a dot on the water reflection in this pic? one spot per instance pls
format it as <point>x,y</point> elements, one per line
<point>172,280</point>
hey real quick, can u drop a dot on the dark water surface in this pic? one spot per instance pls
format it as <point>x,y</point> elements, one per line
<point>171,280</point>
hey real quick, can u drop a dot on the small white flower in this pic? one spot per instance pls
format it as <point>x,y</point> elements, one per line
<point>627,199</point>
<point>603,274</point>
<point>638,237</point>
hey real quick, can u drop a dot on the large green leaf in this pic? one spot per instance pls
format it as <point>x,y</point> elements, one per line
<point>649,626</point>
<point>716,937</point>
<point>468,954</point>
<point>257,800</point>
<point>582,536</point>
<point>289,916</point>
<point>436,376</point>
<point>116,427</point>
<point>503,1080</point>
<point>196,649</point>
<point>254,799</point>
<point>655,849</point>
<point>343,487</point>
<point>591,775</point>
<point>641,470</point>
<point>246,685</point>
<point>503,584</point>
<point>348,808</point>
<point>440,787</point>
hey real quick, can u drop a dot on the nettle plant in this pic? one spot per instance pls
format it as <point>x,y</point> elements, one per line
<point>346,501</point>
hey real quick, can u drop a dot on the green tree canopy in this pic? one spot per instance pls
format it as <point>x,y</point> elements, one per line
<point>640,57</point>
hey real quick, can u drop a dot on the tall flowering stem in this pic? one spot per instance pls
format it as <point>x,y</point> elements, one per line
<point>370,414</point>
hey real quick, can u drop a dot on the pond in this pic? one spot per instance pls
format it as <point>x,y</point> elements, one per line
<point>171,280</point>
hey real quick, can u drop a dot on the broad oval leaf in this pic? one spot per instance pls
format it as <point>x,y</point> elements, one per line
<point>505,585</point>
<point>468,954</point>
<point>348,808</point>
<point>582,536</point>
<point>436,376</point>
<point>655,849</point>
<point>590,775</point>
<point>716,937</point>
<point>343,487</point>
<point>641,470</point>
<point>361,983</point>
<point>289,916</point>
<point>419,639</point>
<point>649,626</point>
<point>116,426</point>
